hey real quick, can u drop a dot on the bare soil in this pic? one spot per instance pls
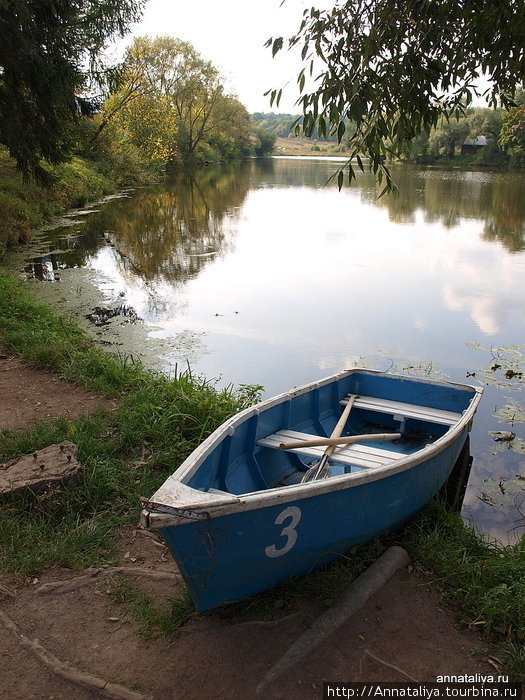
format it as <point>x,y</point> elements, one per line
<point>77,641</point>
<point>29,394</point>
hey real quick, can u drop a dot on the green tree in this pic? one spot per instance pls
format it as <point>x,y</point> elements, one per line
<point>276,124</point>
<point>173,104</point>
<point>174,74</point>
<point>265,142</point>
<point>450,134</point>
<point>148,122</point>
<point>418,149</point>
<point>231,130</point>
<point>396,67</point>
<point>485,122</point>
<point>519,97</point>
<point>488,123</point>
<point>512,135</point>
<point>49,57</point>
<point>131,85</point>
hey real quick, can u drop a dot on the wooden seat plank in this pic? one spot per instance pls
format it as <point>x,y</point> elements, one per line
<point>407,410</point>
<point>358,455</point>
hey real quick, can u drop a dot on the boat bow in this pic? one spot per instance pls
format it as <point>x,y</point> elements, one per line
<point>185,503</point>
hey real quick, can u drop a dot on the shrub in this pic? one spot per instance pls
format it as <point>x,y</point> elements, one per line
<point>14,221</point>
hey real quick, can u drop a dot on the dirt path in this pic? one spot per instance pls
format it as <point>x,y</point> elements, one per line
<point>29,394</point>
<point>79,642</point>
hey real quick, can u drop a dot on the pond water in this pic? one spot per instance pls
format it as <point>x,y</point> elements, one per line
<point>265,273</point>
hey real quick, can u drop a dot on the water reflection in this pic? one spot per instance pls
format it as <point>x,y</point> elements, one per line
<point>445,197</point>
<point>263,273</point>
<point>452,197</point>
<point>173,230</point>
<point>45,268</point>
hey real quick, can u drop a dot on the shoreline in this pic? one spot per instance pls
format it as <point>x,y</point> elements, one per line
<point>151,410</point>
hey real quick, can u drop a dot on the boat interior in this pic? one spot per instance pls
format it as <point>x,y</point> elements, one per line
<point>266,450</point>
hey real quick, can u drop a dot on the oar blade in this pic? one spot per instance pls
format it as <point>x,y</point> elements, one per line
<point>316,472</point>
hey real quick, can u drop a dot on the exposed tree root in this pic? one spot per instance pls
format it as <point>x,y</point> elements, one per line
<point>7,591</point>
<point>78,581</point>
<point>68,672</point>
<point>392,666</point>
<point>267,623</point>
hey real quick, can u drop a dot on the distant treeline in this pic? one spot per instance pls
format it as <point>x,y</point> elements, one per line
<point>280,125</point>
<point>283,125</point>
<point>481,136</point>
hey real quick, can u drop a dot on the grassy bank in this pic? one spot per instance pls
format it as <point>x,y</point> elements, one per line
<point>126,453</point>
<point>129,452</point>
<point>25,206</point>
<point>483,581</point>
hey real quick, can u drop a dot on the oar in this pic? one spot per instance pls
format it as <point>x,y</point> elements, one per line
<point>322,470</point>
<point>321,442</point>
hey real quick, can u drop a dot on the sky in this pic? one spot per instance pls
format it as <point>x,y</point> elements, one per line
<point>231,34</point>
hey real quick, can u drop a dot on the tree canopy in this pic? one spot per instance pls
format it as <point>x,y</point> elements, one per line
<point>172,104</point>
<point>394,68</point>
<point>513,131</point>
<point>49,52</point>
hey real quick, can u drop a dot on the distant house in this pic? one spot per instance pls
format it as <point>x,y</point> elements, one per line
<point>472,146</point>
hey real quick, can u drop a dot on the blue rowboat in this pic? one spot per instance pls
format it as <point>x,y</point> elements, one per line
<point>250,507</point>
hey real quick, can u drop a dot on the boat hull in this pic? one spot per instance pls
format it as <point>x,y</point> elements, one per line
<point>233,557</point>
<point>237,526</point>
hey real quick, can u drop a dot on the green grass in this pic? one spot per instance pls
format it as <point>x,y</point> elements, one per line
<point>39,334</point>
<point>485,581</point>
<point>152,621</point>
<point>128,453</point>
<point>125,454</point>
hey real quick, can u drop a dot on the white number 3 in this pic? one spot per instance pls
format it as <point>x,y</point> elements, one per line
<point>289,531</point>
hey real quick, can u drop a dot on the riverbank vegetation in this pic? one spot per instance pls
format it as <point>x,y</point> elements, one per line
<point>56,89</point>
<point>164,108</point>
<point>127,453</point>
<point>143,128</point>
<point>26,204</point>
<point>171,104</point>
<point>476,137</point>
<point>84,127</point>
<point>168,103</point>
<point>52,73</point>
<point>395,71</point>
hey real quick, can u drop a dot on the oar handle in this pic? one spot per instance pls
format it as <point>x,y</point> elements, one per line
<point>340,426</point>
<point>334,441</point>
<point>319,472</point>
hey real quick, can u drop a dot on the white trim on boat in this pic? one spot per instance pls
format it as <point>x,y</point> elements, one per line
<point>168,504</point>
